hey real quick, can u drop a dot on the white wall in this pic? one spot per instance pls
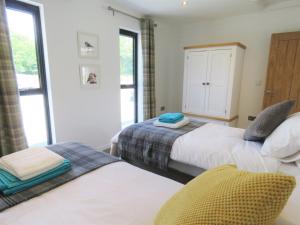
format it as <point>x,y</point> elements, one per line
<point>168,78</point>
<point>253,30</point>
<point>93,116</point>
<point>88,116</point>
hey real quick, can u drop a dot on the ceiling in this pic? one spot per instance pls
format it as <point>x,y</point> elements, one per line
<point>201,9</point>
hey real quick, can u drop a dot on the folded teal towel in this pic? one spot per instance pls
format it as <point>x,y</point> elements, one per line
<point>9,184</point>
<point>171,117</point>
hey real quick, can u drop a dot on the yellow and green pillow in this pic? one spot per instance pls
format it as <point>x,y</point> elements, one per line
<point>227,196</point>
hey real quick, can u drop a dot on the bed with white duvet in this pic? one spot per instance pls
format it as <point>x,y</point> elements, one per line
<point>274,143</point>
<point>116,194</point>
<point>213,145</point>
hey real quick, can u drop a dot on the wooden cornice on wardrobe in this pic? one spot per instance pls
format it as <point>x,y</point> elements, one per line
<point>216,45</point>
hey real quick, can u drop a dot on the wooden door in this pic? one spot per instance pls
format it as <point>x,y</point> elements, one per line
<point>283,77</point>
<point>196,80</point>
<point>217,82</point>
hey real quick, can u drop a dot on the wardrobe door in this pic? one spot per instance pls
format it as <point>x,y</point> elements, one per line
<point>196,81</point>
<point>217,82</point>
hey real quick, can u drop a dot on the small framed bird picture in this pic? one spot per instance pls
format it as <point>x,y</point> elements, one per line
<point>89,75</point>
<point>88,45</point>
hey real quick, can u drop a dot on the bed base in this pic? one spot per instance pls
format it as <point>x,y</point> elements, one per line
<point>170,173</point>
<point>177,171</point>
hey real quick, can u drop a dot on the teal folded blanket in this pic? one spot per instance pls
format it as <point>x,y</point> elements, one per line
<point>9,184</point>
<point>171,117</point>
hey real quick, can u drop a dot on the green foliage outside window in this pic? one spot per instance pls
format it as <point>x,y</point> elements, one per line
<point>24,54</point>
<point>126,51</point>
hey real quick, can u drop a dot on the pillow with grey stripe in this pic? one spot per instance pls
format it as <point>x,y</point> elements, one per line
<point>266,121</point>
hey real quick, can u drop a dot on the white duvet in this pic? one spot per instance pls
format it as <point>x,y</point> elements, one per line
<point>116,194</point>
<point>213,145</point>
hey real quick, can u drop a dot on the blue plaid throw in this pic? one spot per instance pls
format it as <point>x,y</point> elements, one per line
<point>146,143</point>
<point>83,160</point>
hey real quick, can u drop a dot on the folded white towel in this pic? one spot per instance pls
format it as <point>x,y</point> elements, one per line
<point>177,125</point>
<point>30,162</point>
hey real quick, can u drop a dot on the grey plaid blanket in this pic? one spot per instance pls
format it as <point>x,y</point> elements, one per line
<point>83,160</point>
<point>146,143</point>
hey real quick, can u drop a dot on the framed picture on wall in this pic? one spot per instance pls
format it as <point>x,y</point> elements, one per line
<point>89,76</point>
<point>88,45</point>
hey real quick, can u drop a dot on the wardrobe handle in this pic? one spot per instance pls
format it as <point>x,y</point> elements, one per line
<point>207,83</point>
<point>203,83</point>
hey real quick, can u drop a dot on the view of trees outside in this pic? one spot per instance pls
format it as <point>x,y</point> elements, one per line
<point>126,68</point>
<point>22,36</point>
<point>126,59</point>
<point>24,54</point>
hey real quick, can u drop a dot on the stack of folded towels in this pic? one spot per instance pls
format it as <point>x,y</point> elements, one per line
<point>171,120</point>
<point>24,169</point>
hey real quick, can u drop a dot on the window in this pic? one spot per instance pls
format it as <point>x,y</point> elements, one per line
<point>129,70</point>
<point>27,47</point>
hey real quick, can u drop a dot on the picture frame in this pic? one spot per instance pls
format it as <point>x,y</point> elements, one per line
<point>89,75</point>
<point>88,45</point>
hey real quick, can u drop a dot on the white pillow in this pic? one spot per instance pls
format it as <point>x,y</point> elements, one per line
<point>295,114</point>
<point>291,158</point>
<point>285,139</point>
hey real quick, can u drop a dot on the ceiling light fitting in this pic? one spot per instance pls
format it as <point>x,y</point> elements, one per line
<point>184,3</point>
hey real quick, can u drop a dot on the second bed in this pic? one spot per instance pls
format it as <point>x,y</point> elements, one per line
<point>212,145</point>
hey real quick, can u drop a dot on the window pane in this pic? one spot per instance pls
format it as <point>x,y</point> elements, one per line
<point>33,112</point>
<point>126,57</point>
<point>127,107</point>
<point>22,35</point>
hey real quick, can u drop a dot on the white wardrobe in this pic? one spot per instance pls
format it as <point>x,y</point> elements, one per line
<point>212,82</point>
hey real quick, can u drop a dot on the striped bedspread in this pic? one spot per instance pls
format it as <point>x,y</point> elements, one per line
<point>146,143</point>
<point>83,160</point>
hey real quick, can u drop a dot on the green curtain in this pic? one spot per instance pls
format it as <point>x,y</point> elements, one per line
<point>12,136</point>
<point>147,28</point>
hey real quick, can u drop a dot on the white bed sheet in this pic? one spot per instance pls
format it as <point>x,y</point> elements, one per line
<point>213,145</point>
<point>116,194</point>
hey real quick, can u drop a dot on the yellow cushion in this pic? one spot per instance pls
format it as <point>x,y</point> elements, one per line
<point>227,196</point>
